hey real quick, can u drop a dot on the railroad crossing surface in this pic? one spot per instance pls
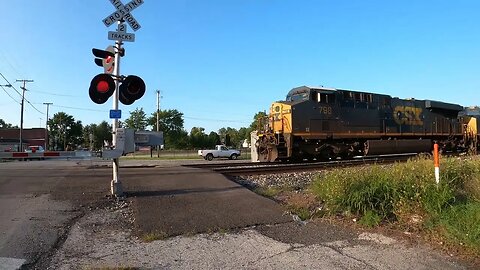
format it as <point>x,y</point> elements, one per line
<point>58,215</point>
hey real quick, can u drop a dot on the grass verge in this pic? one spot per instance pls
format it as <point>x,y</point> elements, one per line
<point>405,194</point>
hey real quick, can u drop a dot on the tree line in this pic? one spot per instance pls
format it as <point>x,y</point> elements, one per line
<point>66,133</point>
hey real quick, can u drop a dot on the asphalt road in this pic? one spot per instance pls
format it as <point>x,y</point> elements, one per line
<point>57,214</point>
<point>39,200</point>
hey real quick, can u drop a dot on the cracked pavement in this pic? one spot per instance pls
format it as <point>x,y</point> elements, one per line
<point>98,241</point>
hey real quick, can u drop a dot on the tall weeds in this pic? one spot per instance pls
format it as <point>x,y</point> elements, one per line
<point>397,193</point>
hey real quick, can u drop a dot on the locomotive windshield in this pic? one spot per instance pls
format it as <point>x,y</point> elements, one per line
<point>298,96</point>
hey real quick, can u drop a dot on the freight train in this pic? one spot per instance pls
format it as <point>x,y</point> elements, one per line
<point>327,123</point>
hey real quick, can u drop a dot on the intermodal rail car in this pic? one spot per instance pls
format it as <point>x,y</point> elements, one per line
<point>327,123</point>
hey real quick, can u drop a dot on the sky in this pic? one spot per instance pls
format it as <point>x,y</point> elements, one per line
<point>220,62</point>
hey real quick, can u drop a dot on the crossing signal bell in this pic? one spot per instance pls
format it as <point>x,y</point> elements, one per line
<point>101,88</point>
<point>131,89</point>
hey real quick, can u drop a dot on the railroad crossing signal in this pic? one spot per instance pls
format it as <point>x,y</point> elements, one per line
<point>101,88</point>
<point>128,89</point>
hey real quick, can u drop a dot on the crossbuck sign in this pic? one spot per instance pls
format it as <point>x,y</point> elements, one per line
<point>123,13</point>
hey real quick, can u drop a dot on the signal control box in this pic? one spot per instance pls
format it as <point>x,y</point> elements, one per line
<point>124,143</point>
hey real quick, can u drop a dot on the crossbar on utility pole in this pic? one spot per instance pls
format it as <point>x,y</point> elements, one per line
<point>21,112</point>
<point>46,125</point>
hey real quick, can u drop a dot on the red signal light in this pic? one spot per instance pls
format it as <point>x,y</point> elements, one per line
<point>101,88</point>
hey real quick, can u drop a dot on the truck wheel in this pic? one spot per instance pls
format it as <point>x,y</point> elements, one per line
<point>209,157</point>
<point>233,156</point>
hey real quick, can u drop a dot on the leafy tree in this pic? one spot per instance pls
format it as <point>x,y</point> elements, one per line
<point>258,121</point>
<point>94,135</point>
<point>75,135</point>
<point>137,120</point>
<point>103,132</point>
<point>65,131</point>
<point>198,138</point>
<point>230,136</point>
<point>244,134</point>
<point>169,120</point>
<point>4,125</point>
<point>177,139</point>
<point>171,123</point>
<point>88,137</point>
<point>213,139</point>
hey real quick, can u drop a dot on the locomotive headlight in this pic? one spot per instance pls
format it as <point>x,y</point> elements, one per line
<point>277,109</point>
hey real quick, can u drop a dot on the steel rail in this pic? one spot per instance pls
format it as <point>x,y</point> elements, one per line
<point>255,169</point>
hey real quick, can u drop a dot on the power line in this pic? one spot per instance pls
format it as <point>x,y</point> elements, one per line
<point>9,63</point>
<point>217,120</point>
<point>76,108</point>
<point>53,94</point>
<point>10,84</point>
<point>9,94</point>
<point>23,97</point>
<point>29,103</point>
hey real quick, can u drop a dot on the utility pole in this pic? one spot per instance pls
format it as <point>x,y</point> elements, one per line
<point>158,119</point>
<point>46,125</point>
<point>21,112</point>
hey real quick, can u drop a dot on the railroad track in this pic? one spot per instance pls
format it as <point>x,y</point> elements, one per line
<point>212,165</point>
<point>273,168</point>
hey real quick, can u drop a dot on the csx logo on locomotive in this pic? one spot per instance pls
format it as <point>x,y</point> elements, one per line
<point>405,115</point>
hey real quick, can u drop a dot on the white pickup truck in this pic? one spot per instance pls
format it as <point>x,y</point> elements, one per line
<point>220,151</point>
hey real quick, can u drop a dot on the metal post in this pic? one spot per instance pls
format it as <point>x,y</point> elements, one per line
<point>116,185</point>
<point>436,163</point>
<point>46,126</point>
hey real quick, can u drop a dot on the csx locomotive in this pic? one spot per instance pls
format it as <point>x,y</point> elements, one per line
<point>324,123</point>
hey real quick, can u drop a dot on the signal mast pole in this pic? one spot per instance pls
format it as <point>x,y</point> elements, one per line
<point>116,185</point>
